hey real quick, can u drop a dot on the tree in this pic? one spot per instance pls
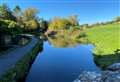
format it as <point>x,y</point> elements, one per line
<point>73,20</point>
<point>30,14</point>
<point>32,25</point>
<point>54,23</point>
<point>117,19</point>
<point>6,13</point>
<point>43,25</point>
<point>12,24</point>
<point>30,18</point>
<point>84,26</point>
<point>18,15</point>
<point>59,24</point>
<point>17,11</point>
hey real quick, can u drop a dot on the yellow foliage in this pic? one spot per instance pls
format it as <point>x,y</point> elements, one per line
<point>32,24</point>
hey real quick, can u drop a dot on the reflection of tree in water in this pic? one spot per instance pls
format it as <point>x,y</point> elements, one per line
<point>62,41</point>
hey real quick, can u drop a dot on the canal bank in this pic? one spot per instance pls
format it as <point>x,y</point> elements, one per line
<point>20,62</point>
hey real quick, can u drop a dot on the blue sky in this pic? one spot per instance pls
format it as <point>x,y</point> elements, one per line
<point>88,11</point>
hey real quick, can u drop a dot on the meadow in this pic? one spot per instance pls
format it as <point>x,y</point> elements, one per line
<point>105,38</point>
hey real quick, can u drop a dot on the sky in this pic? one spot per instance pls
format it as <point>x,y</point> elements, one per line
<point>88,11</point>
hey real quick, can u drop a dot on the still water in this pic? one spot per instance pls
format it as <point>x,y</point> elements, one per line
<point>61,64</point>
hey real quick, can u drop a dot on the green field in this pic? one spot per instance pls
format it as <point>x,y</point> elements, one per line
<point>106,38</point>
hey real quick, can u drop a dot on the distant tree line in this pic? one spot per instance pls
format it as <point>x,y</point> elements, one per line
<point>115,20</point>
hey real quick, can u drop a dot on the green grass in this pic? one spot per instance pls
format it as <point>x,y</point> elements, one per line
<point>106,38</point>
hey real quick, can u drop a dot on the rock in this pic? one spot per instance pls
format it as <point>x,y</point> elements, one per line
<point>89,77</point>
<point>77,80</point>
<point>110,75</point>
<point>114,67</point>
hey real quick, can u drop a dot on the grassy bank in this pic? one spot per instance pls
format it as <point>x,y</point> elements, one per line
<point>20,70</point>
<point>105,38</point>
<point>103,61</point>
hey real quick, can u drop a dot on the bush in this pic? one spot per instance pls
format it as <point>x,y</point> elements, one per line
<point>9,26</point>
<point>31,25</point>
<point>12,25</point>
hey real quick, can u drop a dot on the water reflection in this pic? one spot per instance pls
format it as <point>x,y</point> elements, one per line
<point>62,41</point>
<point>66,41</point>
<point>62,60</point>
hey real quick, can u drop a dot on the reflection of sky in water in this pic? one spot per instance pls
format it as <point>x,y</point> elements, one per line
<point>61,64</point>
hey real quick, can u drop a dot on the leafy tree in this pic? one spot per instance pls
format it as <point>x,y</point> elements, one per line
<point>43,25</point>
<point>30,18</point>
<point>6,13</point>
<point>59,24</point>
<point>30,14</point>
<point>117,19</point>
<point>54,23</point>
<point>73,20</point>
<point>18,14</point>
<point>31,25</point>
<point>12,24</point>
<point>17,11</point>
<point>63,23</point>
<point>84,26</point>
<point>10,27</point>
